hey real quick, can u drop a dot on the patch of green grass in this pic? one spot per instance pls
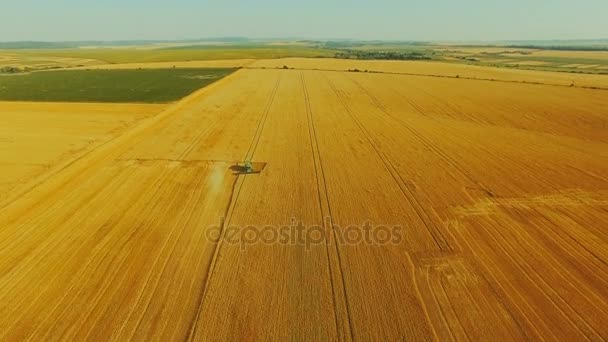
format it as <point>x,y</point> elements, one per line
<point>183,54</point>
<point>127,86</point>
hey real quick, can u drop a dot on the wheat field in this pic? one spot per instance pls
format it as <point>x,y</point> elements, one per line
<point>498,188</point>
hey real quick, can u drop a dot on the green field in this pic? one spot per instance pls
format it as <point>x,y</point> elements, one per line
<point>136,86</point>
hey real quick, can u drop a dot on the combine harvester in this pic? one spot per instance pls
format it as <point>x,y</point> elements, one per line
<point>247,167</point>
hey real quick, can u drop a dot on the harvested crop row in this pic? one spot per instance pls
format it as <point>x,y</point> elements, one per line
<point>36,139</point>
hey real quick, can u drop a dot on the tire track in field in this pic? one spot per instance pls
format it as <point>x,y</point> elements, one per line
<point>535,251</point>
<point>430,219</point>
<point>428,143</point>
<point>442,244</point>
<point>457,111</point>
<point>186,213</point>
<point>479,186</point>
<point>530,273</point>
<point>262,123</point>
<point>186,153</point>
<point>502,287</point>
<point>381,107</point>
<point>232,203</point>
<point>196,141</point>
<point>325,209</point>
<point>438,238</point>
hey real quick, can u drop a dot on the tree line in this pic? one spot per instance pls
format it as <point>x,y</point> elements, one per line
<point>385,55</point>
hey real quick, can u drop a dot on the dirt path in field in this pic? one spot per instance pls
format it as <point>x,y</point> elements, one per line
<point>389,207</point>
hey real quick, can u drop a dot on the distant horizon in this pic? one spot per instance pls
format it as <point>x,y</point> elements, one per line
<point>387,20</point>
<point>291,39</point>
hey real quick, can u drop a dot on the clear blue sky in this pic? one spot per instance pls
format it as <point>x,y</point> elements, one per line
<point>360,19</point>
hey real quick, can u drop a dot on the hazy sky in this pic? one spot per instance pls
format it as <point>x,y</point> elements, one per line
<point>362,19</point>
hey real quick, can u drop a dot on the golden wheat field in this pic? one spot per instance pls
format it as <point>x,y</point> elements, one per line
<point>39,138</point>
<point>498,191</point>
